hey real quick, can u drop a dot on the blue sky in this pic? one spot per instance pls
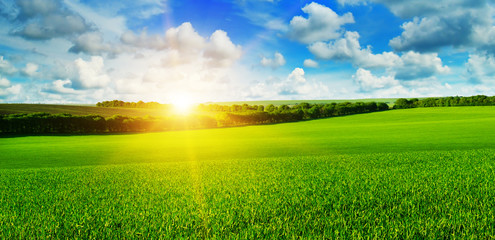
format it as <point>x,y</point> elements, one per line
<point>69,51</point>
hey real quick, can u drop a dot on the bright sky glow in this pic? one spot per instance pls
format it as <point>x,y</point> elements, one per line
<point>182,103</point>
<point>85,51</point>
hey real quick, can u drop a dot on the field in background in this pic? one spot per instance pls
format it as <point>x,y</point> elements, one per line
<point>415,173</point>
<point>78,110</point>
<point>140,112</point>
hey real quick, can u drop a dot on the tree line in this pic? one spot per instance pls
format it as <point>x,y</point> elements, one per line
<point>140,104</point>
<point>478,100</point>
<point>298,112</point>
<point>45,123</point>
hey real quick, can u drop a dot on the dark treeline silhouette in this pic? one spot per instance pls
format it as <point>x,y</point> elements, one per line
<point>232,108</point>
<point>478,100</point>
<point>236,115</point>
<point>42,123</point>
<point>140,104</point>
<point>303,111</point>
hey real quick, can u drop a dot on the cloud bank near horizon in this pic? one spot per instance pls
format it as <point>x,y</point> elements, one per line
<point>59,51</point>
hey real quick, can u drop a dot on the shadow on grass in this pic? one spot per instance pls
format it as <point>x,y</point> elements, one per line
<point>13,135</point>
<point>18,135</point>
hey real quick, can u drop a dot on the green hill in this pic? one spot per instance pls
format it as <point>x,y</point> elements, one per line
<point>401,174</point>
<point>78,110</point>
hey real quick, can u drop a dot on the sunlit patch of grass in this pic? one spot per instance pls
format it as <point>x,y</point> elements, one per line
<point>429,194</point>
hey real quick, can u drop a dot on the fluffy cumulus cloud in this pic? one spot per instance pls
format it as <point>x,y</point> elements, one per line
<point>184,39</point>
<point>376,86</point>
<point>442,23</point>
<point>414,65</point>
<point>481,69</point>
<point>85,50</point>
<point>91,43</point>
<point>408,66</point>
<point>220,50</point>
<point>31,70</point>
<point>46,19</point>
<point>91,74</point>
<point>310,63</point>
<point>6,67</point>
<point>431,33</point>
<point>349,49</point>
<point>278,60</point>
<point>322,24</point>
<point>8,89</point>
<point>4,83</point>
<point>294,86</point>
<point>183,44</point>
<point>179,60</point>
<point>411,8</point>
<point>368,82</point>
<point>60,87</point>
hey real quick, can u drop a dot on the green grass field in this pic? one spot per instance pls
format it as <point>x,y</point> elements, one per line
<point>409,174</point>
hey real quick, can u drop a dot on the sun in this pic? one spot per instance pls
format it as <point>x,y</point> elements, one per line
<point>182,104</point>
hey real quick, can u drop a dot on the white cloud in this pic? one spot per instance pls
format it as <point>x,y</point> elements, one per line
<point>294,86</point>
<point>30,8</point>
<point>322,24</point>
<point>30,70</point>
<point>183,45</point>
<point>481,68</point>
<point>6,67</point>
<point>349,49</point>
<point>44,20</point>
<point>185,39</point>
<point>442,23</point>
<point>60,87</point>
<point>278,60</point>
<point>408,66</point>
<point>310,63</point>
<point>276,24</point>
<point>92,43</point>
<point>221,51</point>
<point>143,40</point>
<point>431,33</point>
<point>136,10</point>
<point>297,76</point>
<point>416,66</point>
<point>7,89</point>
<point>112,26</point>
<point>91,74</point>
<point>373,86</point>
<point>411,8</point>
<point>368,82</point>
<point>4,83</point>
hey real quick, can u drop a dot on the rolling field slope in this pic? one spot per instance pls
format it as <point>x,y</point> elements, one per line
<point>78,110</point>
<point>416,173</point>
<point>393,131</point>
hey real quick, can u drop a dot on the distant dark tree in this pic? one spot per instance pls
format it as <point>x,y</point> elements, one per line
<point>382,106</point>
<point>270,108</point>
<point>402,103</point>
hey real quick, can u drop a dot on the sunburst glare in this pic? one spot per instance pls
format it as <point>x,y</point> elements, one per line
<point>182,103</point>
